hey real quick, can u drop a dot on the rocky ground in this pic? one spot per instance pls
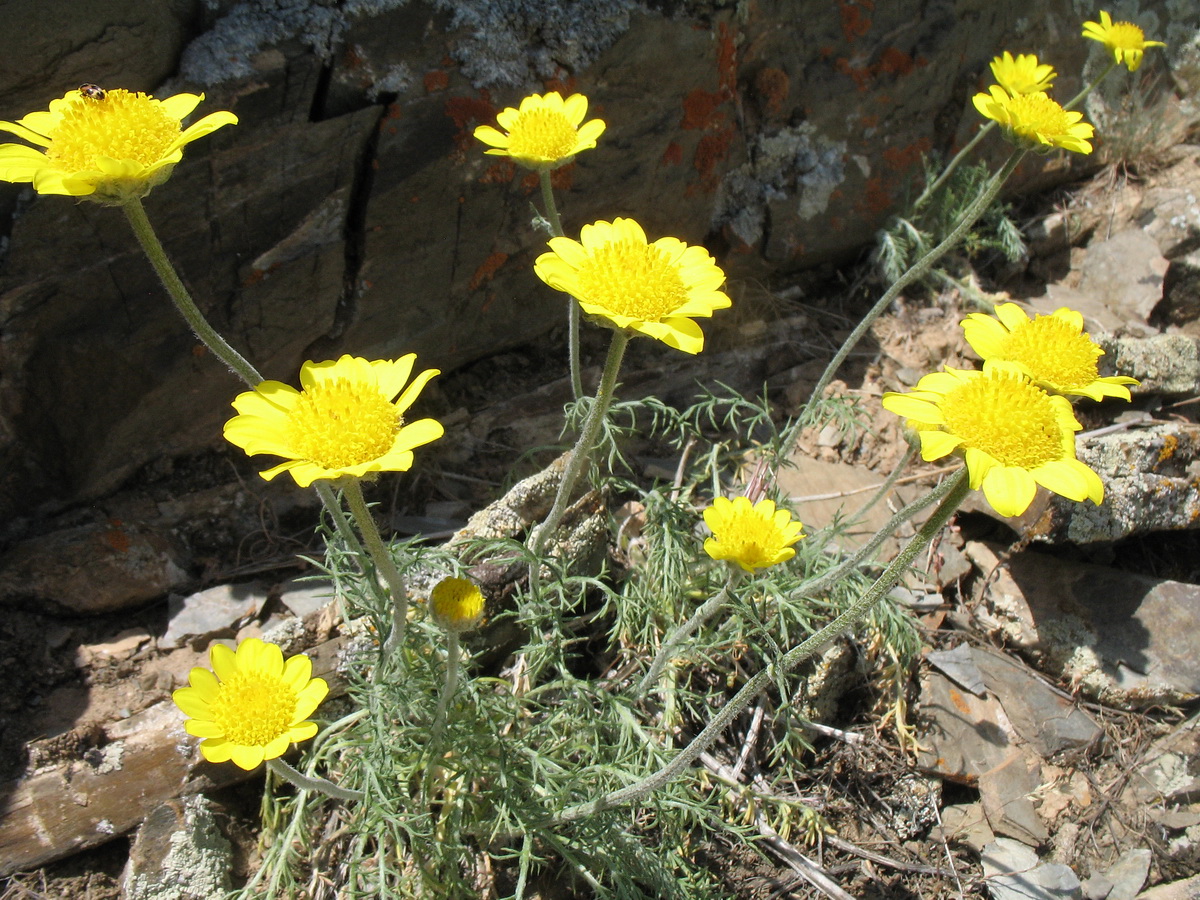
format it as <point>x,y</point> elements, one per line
<point>1051,741</point>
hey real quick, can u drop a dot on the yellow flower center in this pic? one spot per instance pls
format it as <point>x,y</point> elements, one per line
<point>1125,36</point>
<point>1054,352</point>
<point>121,126</point>
<point>1034,114</point>
<point>632,279</point>
<point>253,710</point>
<point>1006,417</point>
<point>752,540</point>
<point>341,423</point>
<point>457,603</point>
<point>542,134</point>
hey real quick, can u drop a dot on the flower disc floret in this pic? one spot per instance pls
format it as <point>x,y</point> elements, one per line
<point>252,705</point>
<point>346,421</point>
<point>1022,74</point>
<point>545,132</point>
<point>457,604</point>
<point>110,149</point>
<point>1012,434</point>
<point>656,288</point>
<point>1034,120</point>
<point>1126,41</point>
<point>1052,351</point>
<point>750,536</point>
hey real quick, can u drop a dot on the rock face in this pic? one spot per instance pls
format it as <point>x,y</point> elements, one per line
<point>352,211</point>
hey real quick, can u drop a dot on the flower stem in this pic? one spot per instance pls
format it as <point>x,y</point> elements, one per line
<point>153,248</point>
<point>917,270</point>
<point>794,657</point>
<point>705,612</point>
<point>931,188</point>
<point>572,306</point>
<point>583,447</point>
<point>320,785</point>
<point>453,652</point>
<point>1078,98</point>
<point>383,562</point>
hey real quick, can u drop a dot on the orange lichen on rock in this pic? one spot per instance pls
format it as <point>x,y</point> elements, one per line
<point>712,149</point>
<point>436,80</point>
<point>902,158</point>
<point>487,269</point>
<point>855,18</point>
<point>700,109</point>
<point>772,86</point>
<point>673,155</point>
<point>466,113</point>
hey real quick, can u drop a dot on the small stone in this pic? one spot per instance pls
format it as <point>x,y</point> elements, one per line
<point>215,610</point>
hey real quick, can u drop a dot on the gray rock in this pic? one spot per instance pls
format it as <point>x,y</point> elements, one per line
<point>1128,873</point>
<point>212,611</point>
<point>1125,272</point>
<point>352,211</point>
<point>179,854</point>
<point>306,595</point>
<point>1013,872</point>
<point>1122,638</point>
<point>1166,364</point>
<point>92,569</point>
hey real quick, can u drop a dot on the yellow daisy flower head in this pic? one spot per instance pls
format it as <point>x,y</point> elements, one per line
<point>1034,120</point>
<point>1022,74</point>
<point>752,537</point>
<point>457,604</point>
<point>252,705</point>
<point>1012,434</point>
<point>617,275</point>
<point>1125,40</point>
<point>109,146</point>
<point>545,132</point>
<point>345,421</point>
<point>1053,351</point>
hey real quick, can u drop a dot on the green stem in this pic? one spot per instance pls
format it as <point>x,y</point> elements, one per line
<point>572,306</point>
<point>305,783</point>
<point>153,248</point>
<point>705,612</point>
<point>813,645</point>
<point>583,447</point>
<point>917,270</point>
<point>1078,98</point>
<point>453,652</point>
<point>384,563</point>
<point>962,154</point>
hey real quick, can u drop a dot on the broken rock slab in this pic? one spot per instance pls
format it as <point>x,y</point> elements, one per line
<point>212,611</point>
<point>1125,272</point>
<point>179,854</point>
<point>1116,636</point>
<point>1013,872</point>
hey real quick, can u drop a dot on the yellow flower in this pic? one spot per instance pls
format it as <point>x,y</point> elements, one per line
<point>544,133</point>
<point>655,288</point>
<point>1012,434</point>
<point>254,707</point>
<point>1126,41</point>
<point>1052,351</point>
<point>1022,75</point>
<point>345,421</point>
<point>1035,120</point>
<point>457,604</point>
<point>109,146</point>
<point>753,537</point>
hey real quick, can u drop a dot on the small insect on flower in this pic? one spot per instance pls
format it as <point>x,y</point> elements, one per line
<point>93,91</point>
